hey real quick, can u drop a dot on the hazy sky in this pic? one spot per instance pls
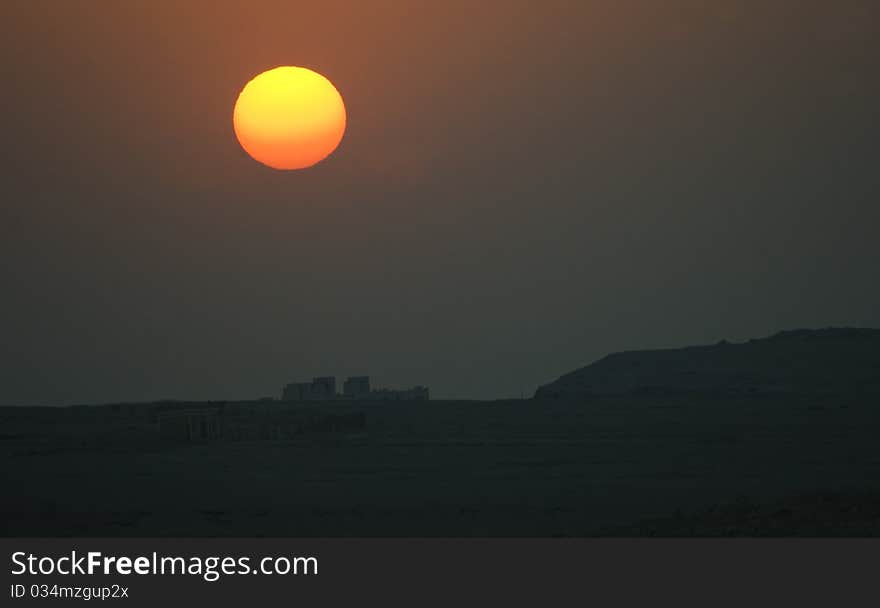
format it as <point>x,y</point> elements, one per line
<point>523,187</point>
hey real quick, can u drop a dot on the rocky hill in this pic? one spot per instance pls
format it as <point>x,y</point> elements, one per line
<point>803,361</point>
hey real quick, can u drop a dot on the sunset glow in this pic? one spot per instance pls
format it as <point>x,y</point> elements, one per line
<point>289,118</point>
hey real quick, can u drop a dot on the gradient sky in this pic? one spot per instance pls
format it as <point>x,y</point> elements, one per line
<point>523,187</point>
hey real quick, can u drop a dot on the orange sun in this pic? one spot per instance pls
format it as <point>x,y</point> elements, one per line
<point>289,118</point>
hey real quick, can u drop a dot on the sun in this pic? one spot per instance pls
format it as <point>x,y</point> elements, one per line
<point>289,118</point>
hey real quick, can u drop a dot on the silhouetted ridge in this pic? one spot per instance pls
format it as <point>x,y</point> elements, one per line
<point>816,361</point>
<point>828,333</point>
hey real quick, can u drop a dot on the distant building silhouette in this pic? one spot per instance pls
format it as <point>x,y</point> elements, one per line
<point>354,388</point>
<point>319,389</point>
<point>324,388</point>
<point>297,391</point>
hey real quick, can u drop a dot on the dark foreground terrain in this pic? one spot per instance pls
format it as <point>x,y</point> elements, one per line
<point>648,465</point>
<point>837,514</point>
